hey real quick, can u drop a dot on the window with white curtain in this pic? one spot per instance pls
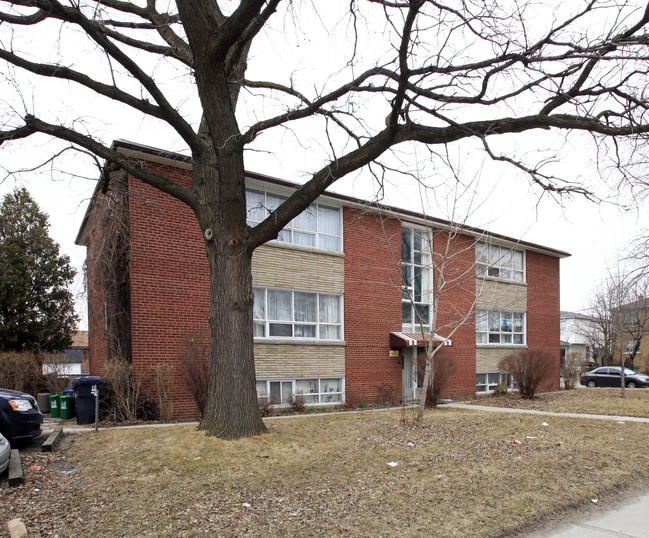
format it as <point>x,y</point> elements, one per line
<point>499,262</point>
<point>318,226</point>
<point>297,314</point>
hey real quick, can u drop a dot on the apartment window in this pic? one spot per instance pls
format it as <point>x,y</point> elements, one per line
<point>629,345</point>
<point>314,391</point>
<point>297,314</point>
<point>318,226</point>
<point>499,262</point>
<point>496,327</point>
<point>488,382</point>
<point>415,274</point>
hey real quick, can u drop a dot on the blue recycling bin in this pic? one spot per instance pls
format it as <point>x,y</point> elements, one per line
<point>84,399</point>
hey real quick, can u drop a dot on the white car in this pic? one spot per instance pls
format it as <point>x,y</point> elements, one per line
<point>5,452</point>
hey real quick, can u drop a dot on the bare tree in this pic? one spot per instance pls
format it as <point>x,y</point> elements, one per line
<point>438,73</point>
<point>620,312</point>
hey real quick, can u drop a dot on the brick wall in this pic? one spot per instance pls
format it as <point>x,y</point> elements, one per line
<point>169,284</point>
<point>456,309</point>
<point>543,309</point>
<point>372,248</point>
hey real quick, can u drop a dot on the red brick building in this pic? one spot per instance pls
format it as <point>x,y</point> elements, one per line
<point>340,297</point>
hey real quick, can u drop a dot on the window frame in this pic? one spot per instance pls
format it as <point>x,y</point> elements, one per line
<point>292,230</point>
<point>302,324</point>
<point>491,262</point>
<point>486,316</point>
<point>490,386</point>
<point>412,267</point>
<point>323,393</point>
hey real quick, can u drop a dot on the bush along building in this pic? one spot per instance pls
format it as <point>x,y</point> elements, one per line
<point>339,298</point>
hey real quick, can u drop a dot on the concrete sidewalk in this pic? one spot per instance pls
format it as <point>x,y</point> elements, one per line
<point>626,517</point>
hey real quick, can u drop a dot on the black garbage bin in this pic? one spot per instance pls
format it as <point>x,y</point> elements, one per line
<point>84,399</point>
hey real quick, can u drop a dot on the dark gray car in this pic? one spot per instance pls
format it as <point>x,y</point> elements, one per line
<point>611,376</point>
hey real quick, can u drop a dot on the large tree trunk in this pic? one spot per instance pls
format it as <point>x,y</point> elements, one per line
<point>232,411</point>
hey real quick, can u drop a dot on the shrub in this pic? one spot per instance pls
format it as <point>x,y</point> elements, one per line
<point>571,369</point>
<point>266,406</point>
<point>130,404</point>
<point>298,402</point>
<point>162,382</point>
<point>529,369</point>
<point>195,368</point>
<point>21,371</point>
<point>443,369</point>
<point>502,389</point>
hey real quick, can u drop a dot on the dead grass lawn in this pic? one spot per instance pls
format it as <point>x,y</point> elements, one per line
<point>328,476</point>
<point>597,401</point>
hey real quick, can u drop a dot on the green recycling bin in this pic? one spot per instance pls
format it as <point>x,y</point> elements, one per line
<point>54,405</point>
<point>66,406</point>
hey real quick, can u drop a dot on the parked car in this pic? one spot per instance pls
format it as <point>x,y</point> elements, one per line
<point>611,376</point>
<point>5,453</point>
<point>20,417</point>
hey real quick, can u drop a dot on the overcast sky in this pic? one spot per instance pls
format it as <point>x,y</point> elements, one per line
<point>595,233</point>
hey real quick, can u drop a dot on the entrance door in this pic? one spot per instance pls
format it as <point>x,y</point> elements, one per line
<point>409,380</point>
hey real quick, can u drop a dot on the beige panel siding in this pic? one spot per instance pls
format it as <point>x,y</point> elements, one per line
<point>291,361</point>
<point>487,359</point>
<point>281,267</point>
<point>494,295</point>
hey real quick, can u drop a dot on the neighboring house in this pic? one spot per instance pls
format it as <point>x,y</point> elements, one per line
<point>73,362</point>
<point>333,320</point>
<point>632,323</point>
<point>580,335</point>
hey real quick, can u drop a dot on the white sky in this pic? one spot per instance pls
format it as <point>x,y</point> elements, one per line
<point>596,234</point>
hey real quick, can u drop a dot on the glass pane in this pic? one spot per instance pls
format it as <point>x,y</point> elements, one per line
<point>417,284</point>
<point>481,338</point>
<point>330,385</point>
<point>279,305</point>
<point>481,321</point>
<point>328,242</point>
<point>422,314</point>
<point>506,260</point>
<point>255,206</point>
<point>494,378</point>
<point>406,274</point>
<point>304,331</point>
<point>287,391</point>
<point>517,260</point>
<point>518,322</point>
<point>330,332</point>
<point>259,328</point>
<point>306,220</point>
<point>517,276</point>
<point>284,236</point>
<point>518,339</point>
<point>275,395</point>
<point>406,245</point>
<point>280,329</point>
<point>506,322</point>
<point>493,271</point>
<point>259,309</point>
<point>417,241</point>
<point>494,321</point>
<point>273,201</point>
<point>305,239</point>
<point>305,306</point>
<point>329,309</point>
<point>494,256</point>
<point>506,338</point>
<point>481,253</point>
<point>262,389</point>
<point>406,313</point>
<point>494,338</point>
<point>329,220</point>
<point>306,386</point>
<point>480,379</point>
